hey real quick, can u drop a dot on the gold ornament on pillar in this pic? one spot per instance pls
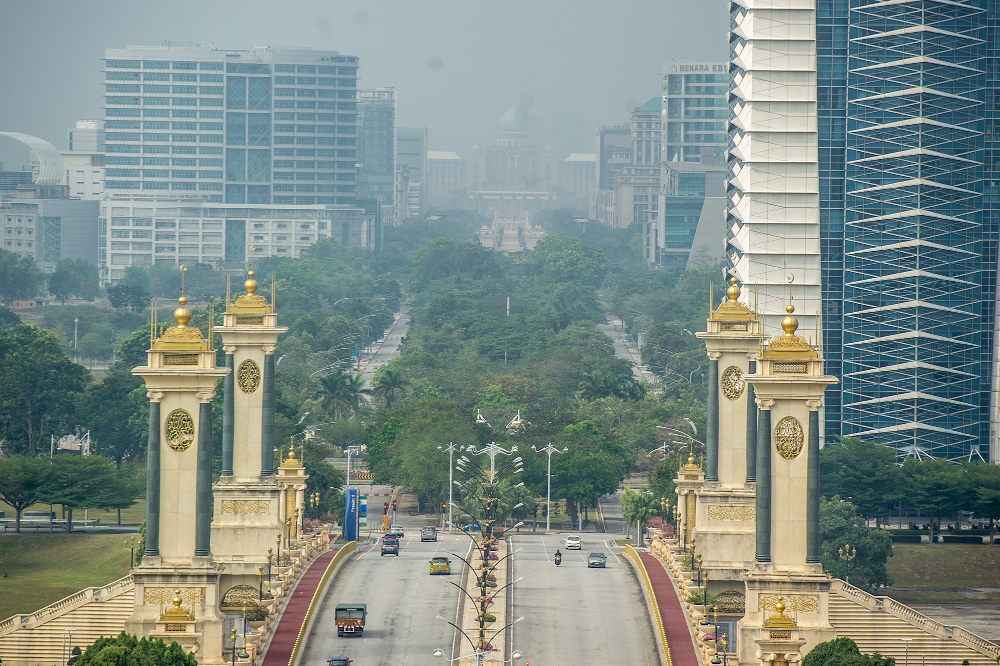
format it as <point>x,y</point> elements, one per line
<point>732,382</point>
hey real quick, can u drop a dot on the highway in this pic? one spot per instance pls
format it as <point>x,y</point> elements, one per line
<point>402,601</point>
<point>576,615</point>
<point>382,352</point>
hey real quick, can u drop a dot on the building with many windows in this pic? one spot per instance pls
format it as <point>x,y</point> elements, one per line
<point>377,148</point>
<point>243,126</point>
<point>696,108</point>
<point>188,231</point>
<point>411,153</point>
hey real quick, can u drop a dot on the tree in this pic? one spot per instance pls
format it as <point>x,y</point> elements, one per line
<point>566,260</point>
<point>39,387</point>
<point>73,277</point>
<point>843,652</point>
<point>840,526</point>
<point>130,296</point>
<point>984,480</point>
<point>342,392</point>
<point>934,486</point>
<point>639,507</point>
<point>107,409</point>
<point>126,489</point>
<point>78,482</point>
<point>20,278</point>
<point>863,471</point>
<point>21,480</point>
<point>95,346</point>
<point>8,319</point>
<point>127,650</point>
<point>388,380</point>
<point>132,350</point>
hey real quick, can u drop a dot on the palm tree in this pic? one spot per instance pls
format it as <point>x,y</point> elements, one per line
<point>355,391</point>
<point>332,393</point>
<point>388,381</point>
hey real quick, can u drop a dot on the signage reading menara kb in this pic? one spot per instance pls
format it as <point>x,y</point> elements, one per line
<point>695,67</point>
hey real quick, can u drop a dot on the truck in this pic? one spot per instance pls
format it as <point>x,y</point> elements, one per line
<point>350,619</point>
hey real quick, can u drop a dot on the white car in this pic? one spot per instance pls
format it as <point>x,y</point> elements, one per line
<point>574,543</point>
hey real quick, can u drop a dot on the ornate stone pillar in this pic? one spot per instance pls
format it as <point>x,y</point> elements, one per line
<point>267,415</point>
<point>763,553</point>
<point>751,428</point>
<point>153,476</point>
<point>712,434</point>
<point>812,484</point>
<point>227,414</point>
<point>203,496</point>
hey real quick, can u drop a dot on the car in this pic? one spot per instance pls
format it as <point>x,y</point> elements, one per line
<point>396,530</point>
<point>472,527</point>
<point>595,560</point>
<point>339,661</point>
<point>440,565</point>
<point>429,534</point>
<point>390,548</point>
<point>574,543</point>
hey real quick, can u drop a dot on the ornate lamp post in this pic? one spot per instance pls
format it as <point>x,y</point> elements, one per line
<point>548,493</point>
<point>847,553</point>
<point>715,615</point>
<point>451,448</point>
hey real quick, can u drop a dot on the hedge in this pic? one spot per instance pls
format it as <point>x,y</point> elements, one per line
<point>948,538</point>
<point>905,538</point>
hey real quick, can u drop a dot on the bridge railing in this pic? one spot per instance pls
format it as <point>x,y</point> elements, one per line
<point>341,555</point>
<point>657,617</point>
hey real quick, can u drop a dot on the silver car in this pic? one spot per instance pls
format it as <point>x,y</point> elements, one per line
<point>595,560</point>
<point>574,543</point>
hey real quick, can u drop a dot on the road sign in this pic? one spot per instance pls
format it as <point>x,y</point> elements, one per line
<point>385,524</point>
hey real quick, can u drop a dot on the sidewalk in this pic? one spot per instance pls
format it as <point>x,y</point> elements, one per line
<point>279,650</point>
<point>675,625</point>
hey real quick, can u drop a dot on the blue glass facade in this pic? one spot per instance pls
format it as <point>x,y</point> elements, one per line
<point>918,238</point>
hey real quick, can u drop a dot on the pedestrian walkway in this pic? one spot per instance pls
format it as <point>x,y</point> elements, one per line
<point>675,625</point>
<point>279,652</point>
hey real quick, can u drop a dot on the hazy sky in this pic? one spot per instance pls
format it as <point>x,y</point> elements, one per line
<point>457,65</point>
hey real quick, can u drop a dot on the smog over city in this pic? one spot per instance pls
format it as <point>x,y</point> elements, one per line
<point>457,66</point>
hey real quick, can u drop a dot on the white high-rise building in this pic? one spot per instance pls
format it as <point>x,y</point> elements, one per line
<point>773,240</point>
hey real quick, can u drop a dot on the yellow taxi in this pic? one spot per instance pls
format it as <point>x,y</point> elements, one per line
<point>440,565</point>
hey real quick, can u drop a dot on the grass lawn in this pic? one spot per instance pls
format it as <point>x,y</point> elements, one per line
<point>133,515</point>
<point>38,570</point>
<point>944,566</point>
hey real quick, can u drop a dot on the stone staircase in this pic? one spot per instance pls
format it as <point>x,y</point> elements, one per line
<point>42,638</point>
<point>877,624</point>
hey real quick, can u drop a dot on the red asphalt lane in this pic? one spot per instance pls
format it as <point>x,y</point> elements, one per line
<point>280,650</point>
<point>674,622</point>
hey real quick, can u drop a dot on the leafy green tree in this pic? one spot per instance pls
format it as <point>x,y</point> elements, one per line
<point>132,351</point>
<point>984,480</point>
<point>126,489</point>
<point>935,487</point>
<point>332,394</point>
<point>566,260</point>
<point>73,277</point>
<point>128,296</point>
<point>78,482</point>
<point>39,386</point>
<point>445,257</point>
<point>639,507</point>
<point>840,527</point>
<point>20,278</point>
<point>127,650</point>
<point>863,471</point>
<point>843,652</point>
<point>8,319</point>
<point>21,480</point>
<point>95,346</point>
<point>389,380</point>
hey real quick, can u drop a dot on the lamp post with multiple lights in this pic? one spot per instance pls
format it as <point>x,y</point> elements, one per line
<point>548,493</point>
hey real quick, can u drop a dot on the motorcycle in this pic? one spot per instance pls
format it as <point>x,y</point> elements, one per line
<point>558,560</point>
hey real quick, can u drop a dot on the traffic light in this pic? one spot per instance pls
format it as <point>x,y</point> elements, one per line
<point>393,505</point>
<point>385,508</point>
<point>444,507</point>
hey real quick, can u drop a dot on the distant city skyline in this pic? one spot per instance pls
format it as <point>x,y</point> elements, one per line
<point>456,68</point>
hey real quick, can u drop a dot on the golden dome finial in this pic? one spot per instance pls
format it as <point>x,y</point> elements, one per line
<point>251,285</point>
<point>182,315</point>
<point>733,292</point>
<point>789,324</point>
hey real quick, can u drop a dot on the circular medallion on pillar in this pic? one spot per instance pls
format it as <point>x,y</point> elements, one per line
<point>733,382</point>
<point>179,430</point>
<point>788,437</point>
<point>248,376</point>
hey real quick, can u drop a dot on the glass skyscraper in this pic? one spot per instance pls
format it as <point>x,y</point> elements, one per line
<point>256,126</point>
<point>908,238</point>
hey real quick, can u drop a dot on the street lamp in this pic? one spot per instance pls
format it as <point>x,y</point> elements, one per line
<point>906,653</point>
<point>847,553</point>
<point>479,649</point>
<point>68,639</point>
<point>351,450</point>
<point>76,322</point>
<point>548,493</point>
<point>451,448</point>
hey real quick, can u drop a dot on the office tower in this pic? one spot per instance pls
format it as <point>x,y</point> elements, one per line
<point>87,136</point>
<point>614,153</point>
<point>377,147</point>
<point>245,126</point>
<point>411,152</point>
<point>773,210</point>
<point>83,162</point>
<point>919,239</point>
<point>694,98</point>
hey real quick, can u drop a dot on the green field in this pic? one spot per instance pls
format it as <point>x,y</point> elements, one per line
<point>37,570</point>
<point>941,570</point>
<point>133,515</point>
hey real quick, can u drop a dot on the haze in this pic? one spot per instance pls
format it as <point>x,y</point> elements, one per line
<point>457,65</point>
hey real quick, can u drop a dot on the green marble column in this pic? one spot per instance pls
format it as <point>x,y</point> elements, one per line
<point>227,419</point>
<point>267,418</point>
<point>153,481</point>
<point>751,428</point>
<point>203,483</point>
<point>712,430</point>
<point>812,490</point>
<point>764,485</point>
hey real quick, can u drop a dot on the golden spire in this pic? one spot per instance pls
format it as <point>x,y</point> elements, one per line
<point>789,324</point>
<point>181,336</point>
<point>182,315</point>
<point>250,301</point>
<point>789,343</point>
<point>732,309</point>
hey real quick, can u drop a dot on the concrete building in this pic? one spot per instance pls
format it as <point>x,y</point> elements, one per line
<point>696,107</point>
<point>445,177</point>
<point>614,153</point>
<point>179,231</point>
<point>83,161</point>
<point>86,136</point>
<point>242,126</point>
<point>377,148</point>
<point>411,152</point>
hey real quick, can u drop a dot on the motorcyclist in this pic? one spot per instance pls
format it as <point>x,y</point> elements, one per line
<point>558,556</point>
